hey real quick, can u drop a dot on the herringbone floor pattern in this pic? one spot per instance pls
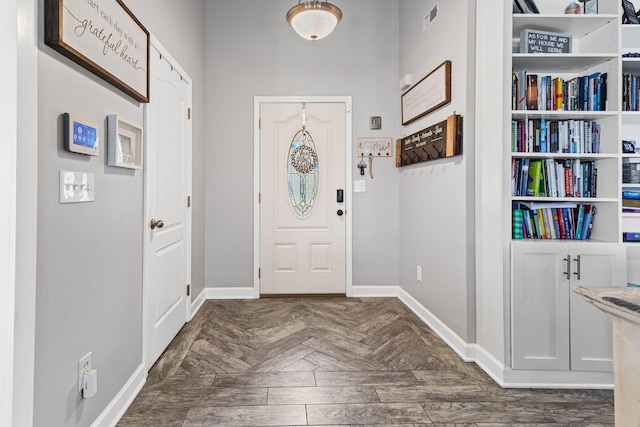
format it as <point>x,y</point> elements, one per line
<point>335,361</point>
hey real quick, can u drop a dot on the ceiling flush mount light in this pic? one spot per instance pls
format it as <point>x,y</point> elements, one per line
<point>314,20</point>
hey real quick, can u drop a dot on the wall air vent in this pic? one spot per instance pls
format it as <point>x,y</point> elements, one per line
<point>429,17</point>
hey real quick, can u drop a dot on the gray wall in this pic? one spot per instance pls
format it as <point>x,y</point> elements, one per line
<point>437,198</point>
<point>89,268</point>
<point>250,51</point>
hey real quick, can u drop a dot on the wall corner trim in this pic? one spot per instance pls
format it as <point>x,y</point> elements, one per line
<point>118,406</point>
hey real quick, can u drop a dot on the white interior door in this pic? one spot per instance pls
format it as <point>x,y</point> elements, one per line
<point>167,185</point>
<point>302,220</point>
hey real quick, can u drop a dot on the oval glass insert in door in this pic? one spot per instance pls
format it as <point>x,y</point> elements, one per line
<point>302,173</point>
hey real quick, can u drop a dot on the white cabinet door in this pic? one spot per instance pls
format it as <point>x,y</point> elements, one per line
<point>602,265</point>
<point>540,301</point>
<point>553,328</point>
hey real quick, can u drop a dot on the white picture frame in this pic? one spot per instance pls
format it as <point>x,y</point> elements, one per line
<point>124,143</point>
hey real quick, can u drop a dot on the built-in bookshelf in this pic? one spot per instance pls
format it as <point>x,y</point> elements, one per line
<point>567,127</point>
<point>565,121</point>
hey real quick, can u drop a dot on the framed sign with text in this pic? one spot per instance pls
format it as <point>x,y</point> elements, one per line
<point>104,37</point>
<point>430,93</point>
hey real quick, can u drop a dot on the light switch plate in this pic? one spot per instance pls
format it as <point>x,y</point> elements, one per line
<point>359,186</point>
<point>76,187</point>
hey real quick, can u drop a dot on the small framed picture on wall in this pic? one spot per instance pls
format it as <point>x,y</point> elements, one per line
<point>124,143</point>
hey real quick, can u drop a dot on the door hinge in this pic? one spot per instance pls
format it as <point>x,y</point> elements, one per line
<point>188,201</point>
<point>259,272</point>
<point>189,113</point>
<point>259,122</point>
<point>188,290</point>
<point>259,198</point>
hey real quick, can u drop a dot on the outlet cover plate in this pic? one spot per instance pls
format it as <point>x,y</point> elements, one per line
<point>84,364</point>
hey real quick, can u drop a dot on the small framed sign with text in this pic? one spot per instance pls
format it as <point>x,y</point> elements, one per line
<point>430,93</point>
<point>536,41</point>
<point>104,37</point>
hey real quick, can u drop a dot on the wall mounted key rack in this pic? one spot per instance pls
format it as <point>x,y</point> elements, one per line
<point>439,141</point>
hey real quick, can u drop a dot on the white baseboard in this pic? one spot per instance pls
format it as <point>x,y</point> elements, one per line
<point>197,303</point>
<point>556,379</point>
<point>488,362</point>
<point>118,406</point>
<point>229,293</point>
<point>457,344</point>
<point>374,291</point>
<point>501,374</point>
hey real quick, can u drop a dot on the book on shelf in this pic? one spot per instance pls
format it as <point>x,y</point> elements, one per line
<point>535,178</point>
<point>631,203</point>
<point>518,231</point>
<point>580,221</point>
<point>553,178</point>
<point>532,91</point>
<point>631,195</point>
<point>555,136</point>
<point>630,92</point>
<point>552,220</point>
<point>548,93</point>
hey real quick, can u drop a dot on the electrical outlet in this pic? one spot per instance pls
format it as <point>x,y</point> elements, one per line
<point>84,365</point>
<point>419,274</point>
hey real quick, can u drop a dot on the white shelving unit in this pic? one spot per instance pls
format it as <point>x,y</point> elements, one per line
<point>551,328</point>
<point>595,48</point>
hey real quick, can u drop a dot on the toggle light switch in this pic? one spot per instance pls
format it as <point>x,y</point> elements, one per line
<point>76,187</point>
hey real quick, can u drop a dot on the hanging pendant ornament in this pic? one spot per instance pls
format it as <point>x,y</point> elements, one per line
<point>303,116</point>
<point>371,165</point>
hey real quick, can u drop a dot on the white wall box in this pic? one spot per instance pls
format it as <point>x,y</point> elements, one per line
<point>124,143</point>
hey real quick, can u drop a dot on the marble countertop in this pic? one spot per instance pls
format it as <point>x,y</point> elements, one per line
<point>619,301</point>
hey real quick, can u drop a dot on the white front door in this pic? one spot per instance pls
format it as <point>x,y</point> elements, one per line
<point>167,183</point>
<point>302,215</point>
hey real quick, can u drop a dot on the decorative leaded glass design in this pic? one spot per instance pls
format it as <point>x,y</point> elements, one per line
<point>302,173</point>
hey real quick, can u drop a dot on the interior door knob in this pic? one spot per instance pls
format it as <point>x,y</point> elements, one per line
<point>340,212</point>
<point>156,223</point>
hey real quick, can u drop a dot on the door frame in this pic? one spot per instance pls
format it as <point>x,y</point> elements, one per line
<point>257,103</point>
<point>188,179</point>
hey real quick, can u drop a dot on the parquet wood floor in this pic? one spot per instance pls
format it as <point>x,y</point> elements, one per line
<point>335,361</point>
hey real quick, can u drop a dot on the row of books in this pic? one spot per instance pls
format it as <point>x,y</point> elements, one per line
<point>631,201</point>
<point>630,92</point>
<point>583,93</point>
<point>553,178</point>
<point>558,221</point>
<point>549,136</point>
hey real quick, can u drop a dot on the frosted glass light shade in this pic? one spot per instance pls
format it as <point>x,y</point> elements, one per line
<point>314,20</point>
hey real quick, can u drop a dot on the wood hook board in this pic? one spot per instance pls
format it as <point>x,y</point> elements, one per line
<point>435,142</point>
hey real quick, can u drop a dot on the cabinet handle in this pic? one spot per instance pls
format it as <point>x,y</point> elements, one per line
<point>568,270</point>
<point>577,272</point>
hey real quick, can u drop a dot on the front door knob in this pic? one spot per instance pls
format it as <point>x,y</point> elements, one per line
<point>156,223</point>
<point>340,212</point>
